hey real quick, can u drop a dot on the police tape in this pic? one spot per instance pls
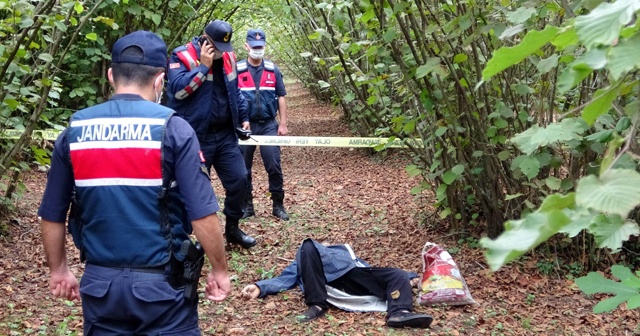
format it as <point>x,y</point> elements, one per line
<point>267,140</point>
<point>319,141</point>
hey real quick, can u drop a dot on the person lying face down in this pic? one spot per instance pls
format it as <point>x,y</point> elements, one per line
<point>334,275</point>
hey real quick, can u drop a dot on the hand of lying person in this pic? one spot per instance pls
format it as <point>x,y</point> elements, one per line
<point>250,292</point>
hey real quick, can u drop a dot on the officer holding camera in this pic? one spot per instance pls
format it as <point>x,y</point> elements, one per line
<point>203,89</point>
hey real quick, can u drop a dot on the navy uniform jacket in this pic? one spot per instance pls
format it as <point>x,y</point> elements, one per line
<point>181,162</point>
<point>190,88</point>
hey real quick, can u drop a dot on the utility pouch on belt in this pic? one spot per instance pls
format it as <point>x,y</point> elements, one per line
<point>193,262</point>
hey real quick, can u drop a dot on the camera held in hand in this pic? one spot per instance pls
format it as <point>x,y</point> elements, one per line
<point>243,134</point>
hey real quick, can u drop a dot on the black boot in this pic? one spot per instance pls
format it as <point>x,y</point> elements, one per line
<point>247,208</point>
<point>278,206</point>
<point>235,236</point>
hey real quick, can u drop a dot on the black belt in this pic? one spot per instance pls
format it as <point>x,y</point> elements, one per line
<point>155,270</point>
<point>261,121</point>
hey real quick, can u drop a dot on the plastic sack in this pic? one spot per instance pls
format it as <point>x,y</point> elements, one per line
<point>441,282</point>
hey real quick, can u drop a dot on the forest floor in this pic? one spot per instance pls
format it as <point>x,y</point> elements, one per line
<point>338,195</point>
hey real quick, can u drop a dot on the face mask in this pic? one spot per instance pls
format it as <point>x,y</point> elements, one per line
<point>217,54</point>
<point>256,53</point>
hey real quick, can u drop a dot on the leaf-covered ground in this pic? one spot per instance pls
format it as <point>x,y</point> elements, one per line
<point>338,195</point>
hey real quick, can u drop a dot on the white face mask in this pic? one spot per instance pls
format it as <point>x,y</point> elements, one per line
<point>256,53</point>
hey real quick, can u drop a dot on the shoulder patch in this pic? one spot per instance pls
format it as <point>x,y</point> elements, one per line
<point>174,65</point>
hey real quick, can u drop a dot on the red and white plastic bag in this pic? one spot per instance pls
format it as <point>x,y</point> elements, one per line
<point>441,282</point>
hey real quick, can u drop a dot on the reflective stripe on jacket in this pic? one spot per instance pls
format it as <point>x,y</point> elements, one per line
<point>264,103</point>
<point>116,156</point>
<point>190,88</point>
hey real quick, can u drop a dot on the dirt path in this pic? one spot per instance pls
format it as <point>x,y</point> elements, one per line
<point>337,195</point>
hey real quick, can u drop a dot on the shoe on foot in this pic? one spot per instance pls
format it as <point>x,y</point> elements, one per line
<point>312,313</point>
<point>280,212</point>
<point>407,319</point>
<point>236,236</point>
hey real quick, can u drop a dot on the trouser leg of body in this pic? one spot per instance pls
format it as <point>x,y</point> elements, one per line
<point>390,284</point>
<point>312,274</point>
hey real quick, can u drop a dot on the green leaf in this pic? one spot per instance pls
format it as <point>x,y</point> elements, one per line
<point>459,58</point>
<point>633,302</point>
<point>413,170</point>
<point>11,103</point>
<point>415,190</point>
<point>565,38</point>
<point>612,231</point>
<point>92,36</point>
<point>156,18</point>
<point>458,169</point>
<point>46,57</point>
<point>440,131</point>
<point>617,191</point>
<point>623,124</point>
<point>547,64</point>
<point>510,197</point>
<point>535,137</point>
<point>449,177</point>
<point>571,76</point>
<point>389,35</point>
<point>504,155</point>
<point>601,104</point>
<point>520,15</point>
<point>558,202</point>
<point>429,66</point>
<point>621,272</point>
<point>602,136</point>
<point>530,167</point>
<point>78,7</point>
<point>553,182</point>
<point>609,304</point>
<point>511,31</point>
<point>581,219</point>
<point>624,57</point>
<point>594,283</point>
<point>522,236</point>
<point>508,56</point>
<point>602,26</point>
<point>323,84</point>
<point>368,15</point>
<point>26,22</point>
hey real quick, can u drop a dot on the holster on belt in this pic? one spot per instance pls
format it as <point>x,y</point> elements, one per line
<point>176,279</point>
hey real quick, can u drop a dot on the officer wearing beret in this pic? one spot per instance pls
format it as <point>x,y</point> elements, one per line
<point>203,89</point>
<point>132,172</point>
<point>261,82</point>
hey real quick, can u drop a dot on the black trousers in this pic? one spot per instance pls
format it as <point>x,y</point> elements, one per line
<point>390,284</point>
